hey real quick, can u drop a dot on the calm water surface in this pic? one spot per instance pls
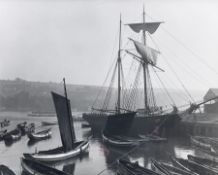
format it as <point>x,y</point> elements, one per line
<point>100,156</point>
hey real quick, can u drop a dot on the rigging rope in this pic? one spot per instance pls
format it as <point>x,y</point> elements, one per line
<point>152,97</point>
<point>168,94</point>
<point>199,58</point>
<point>180,81</point>
<point>177,77</point>
<point>123,87</point>
<point>131,97</point>
<point>190,69</point>
<point>110,88</point>
<point>134,93</point>
<point>103,85</point>
<point>127,92</point>
<point>191,51</point>
<point>110,69</point>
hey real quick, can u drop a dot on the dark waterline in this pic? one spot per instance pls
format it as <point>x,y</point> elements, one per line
<point>100,156</point>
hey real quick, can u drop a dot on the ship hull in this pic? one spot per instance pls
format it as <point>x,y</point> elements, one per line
<point>141,124</point>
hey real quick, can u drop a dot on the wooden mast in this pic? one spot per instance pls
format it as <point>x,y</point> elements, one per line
<point>145,67</point>
<point>119,64</point>
<point>65,93</point>
<point>69,111</point>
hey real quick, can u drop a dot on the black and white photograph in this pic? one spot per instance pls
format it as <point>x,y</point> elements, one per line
<point>108,87</point>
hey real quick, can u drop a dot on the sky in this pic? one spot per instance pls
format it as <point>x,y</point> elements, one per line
<point>48,40</point>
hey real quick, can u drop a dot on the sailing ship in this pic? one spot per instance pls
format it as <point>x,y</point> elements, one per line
<point>71,147</point>
<point>117,131</point>
<point>151,118</point>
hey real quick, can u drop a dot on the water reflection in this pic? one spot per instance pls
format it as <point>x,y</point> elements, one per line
<point>69,165</point>
<point>87,134</point>
<point>111,154</point>
<point>100,156</point>
<point>9,143</point>
<point>69,168</point>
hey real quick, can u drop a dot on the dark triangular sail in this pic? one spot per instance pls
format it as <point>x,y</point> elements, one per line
<point>119,124</point>
<point>65,121</point>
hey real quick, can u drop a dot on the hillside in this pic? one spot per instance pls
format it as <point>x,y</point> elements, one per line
<point>21,95</point>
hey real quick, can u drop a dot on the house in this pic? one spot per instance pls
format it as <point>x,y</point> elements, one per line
<point>212,106</point>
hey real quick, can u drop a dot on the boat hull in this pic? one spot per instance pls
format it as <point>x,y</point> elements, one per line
<point>158,168</point>
<point>58,154</point>
<point>39,136</point>
<point>4,170</point>
<point>141,125</point>
<point>198,168</point>
<point>119,142</point>
<point>34,167</point>
<point>204,145</point>
<point>127,168</point>
<point>45,123</point>
<point>2,134</point>
<point>203,160</point>
<point>13,135</point>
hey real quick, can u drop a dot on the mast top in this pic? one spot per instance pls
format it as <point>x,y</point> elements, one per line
<point>143,13</point>
<point>150,27</point>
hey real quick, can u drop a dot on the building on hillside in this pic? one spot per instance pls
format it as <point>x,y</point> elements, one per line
<point>212,106</point>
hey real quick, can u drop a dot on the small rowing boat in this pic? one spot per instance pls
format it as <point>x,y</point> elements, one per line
<point>198,168</point>
<point>85,125</point>
<point>34,167</point>
<point>4,170</point>
<point>201,143</point>
<point>13,135</point>
<point>2,134</point>
<point>46,123</point>
<point>22,127</point>
<point>175,170</point>
<point>153,138</point>
<point>40,135</point>
<point>180,165</point>
<point>157,167</point>
<point>128,168</point>
<point>119,140</point>
<point>203,160</point>
<point>4,123</point>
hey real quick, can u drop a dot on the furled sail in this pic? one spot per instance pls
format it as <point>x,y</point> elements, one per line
<point>150,27</point>
<point>65,121</point>
<point>147,53</point>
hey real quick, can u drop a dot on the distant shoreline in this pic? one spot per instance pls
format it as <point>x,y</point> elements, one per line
<point>77,116</point>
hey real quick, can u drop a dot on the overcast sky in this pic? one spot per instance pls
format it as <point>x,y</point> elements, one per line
<point>48,40</point>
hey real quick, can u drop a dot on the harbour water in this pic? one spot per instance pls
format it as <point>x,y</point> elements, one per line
<point>100,157</point>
